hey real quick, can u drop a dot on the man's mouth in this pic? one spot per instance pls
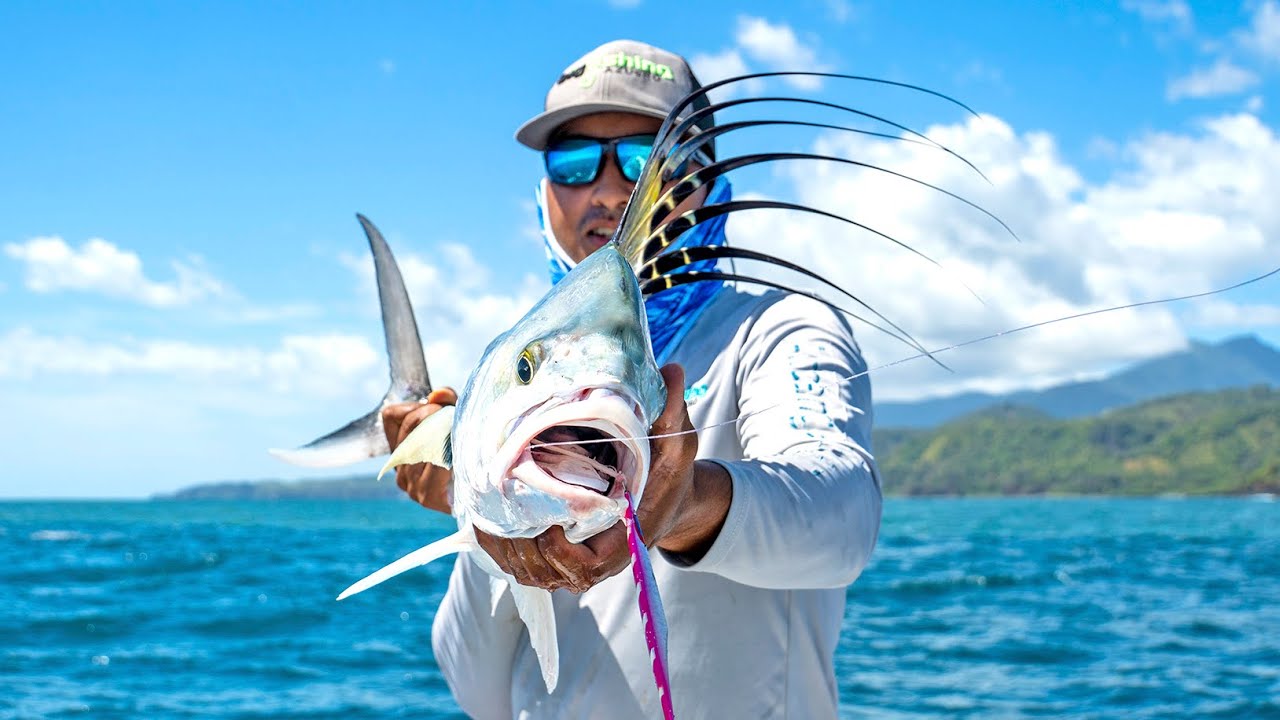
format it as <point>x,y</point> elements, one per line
<point>600,235</point>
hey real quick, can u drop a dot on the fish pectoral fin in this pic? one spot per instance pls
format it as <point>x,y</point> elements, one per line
<point>430,442</point>
<point>536,610</point>
<point>462,541</point>
<point>496,588</point>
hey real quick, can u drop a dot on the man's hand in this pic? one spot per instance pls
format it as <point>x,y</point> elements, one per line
<point>686,501</point>
<point>551,562</point>
<point>425,483</point>
<point>683,507</point>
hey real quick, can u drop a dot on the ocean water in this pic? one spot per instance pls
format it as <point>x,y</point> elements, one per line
<point>971,608</point>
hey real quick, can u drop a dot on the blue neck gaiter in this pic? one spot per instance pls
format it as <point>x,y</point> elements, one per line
<point>672,312</point>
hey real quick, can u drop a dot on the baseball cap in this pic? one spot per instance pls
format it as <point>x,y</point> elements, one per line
<point>619,76</point>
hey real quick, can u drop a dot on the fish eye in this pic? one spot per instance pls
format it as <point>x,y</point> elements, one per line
<point>524,367</point>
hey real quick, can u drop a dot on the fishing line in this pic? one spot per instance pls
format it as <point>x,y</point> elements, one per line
<point>966,343</point>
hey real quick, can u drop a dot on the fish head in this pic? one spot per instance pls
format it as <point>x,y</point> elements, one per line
<point>577,367</point>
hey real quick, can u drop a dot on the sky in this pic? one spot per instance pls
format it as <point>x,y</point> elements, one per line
<point>183,283</point>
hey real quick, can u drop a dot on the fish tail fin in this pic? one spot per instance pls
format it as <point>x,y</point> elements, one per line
<point>538,613</point>
<point>364,437</point>
<point>358,440</point>
<point>652,615</point>
<point>462,541</point>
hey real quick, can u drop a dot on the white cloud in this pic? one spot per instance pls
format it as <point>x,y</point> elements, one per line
<point>723,65</point>
<point>274,392</point>
<point>980,72</point>
<point>155,415</point>
<point>98,266</point>
<point>1221,313</point>
<point>1253,104</point>
<point>1184,213</point>
<point>1172,12</point>
<point>1101,148</point>
<point>771,47</point>
<point>457,308</point>
<point>206,411</point>
<point>777,48</point>
<point>712,67</point>
<point>1226,76</point>
<point>1263,34</point>
<point>1221,78</point>
<point>841,11</point>
<point>317,365</point>
<point>252,315</point>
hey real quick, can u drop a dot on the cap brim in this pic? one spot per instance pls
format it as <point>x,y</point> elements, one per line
<point>536,133</point>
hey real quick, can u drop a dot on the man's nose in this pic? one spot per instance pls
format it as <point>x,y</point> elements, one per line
<point>611,189</point>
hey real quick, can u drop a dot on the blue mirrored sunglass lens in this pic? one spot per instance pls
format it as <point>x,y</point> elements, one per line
<point>573,162</point>
<point>632,154</point>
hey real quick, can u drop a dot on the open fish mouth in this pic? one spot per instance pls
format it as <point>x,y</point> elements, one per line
<point>590,444</point>
<point>595,461</point>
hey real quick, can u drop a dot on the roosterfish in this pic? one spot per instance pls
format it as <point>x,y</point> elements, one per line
<point>551,428</point>
<point>578,367</point>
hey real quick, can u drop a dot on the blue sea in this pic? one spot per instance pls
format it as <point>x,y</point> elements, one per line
<point>1000,608</point>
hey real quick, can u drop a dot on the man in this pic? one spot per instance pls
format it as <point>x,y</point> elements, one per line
<point>759,525</point>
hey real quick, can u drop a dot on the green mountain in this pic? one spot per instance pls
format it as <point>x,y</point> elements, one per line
<point>1225,442</point>
<point>1239,362</point>
<point>353,487</point>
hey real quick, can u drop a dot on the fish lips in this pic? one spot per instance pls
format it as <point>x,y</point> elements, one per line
<point>610,411</point>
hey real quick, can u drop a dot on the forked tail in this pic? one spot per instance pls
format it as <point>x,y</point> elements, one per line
<point>363,437</point>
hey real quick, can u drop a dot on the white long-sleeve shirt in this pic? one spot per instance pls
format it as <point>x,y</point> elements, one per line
<point>753,624</point>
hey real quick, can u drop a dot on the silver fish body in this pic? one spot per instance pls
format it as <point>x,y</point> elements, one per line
<point>587,345</point>
<point>578,366</point>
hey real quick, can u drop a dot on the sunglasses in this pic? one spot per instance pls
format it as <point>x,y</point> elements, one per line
<point>578,160</point>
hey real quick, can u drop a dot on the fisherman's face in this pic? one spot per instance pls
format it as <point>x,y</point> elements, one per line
<point>583,217</point>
